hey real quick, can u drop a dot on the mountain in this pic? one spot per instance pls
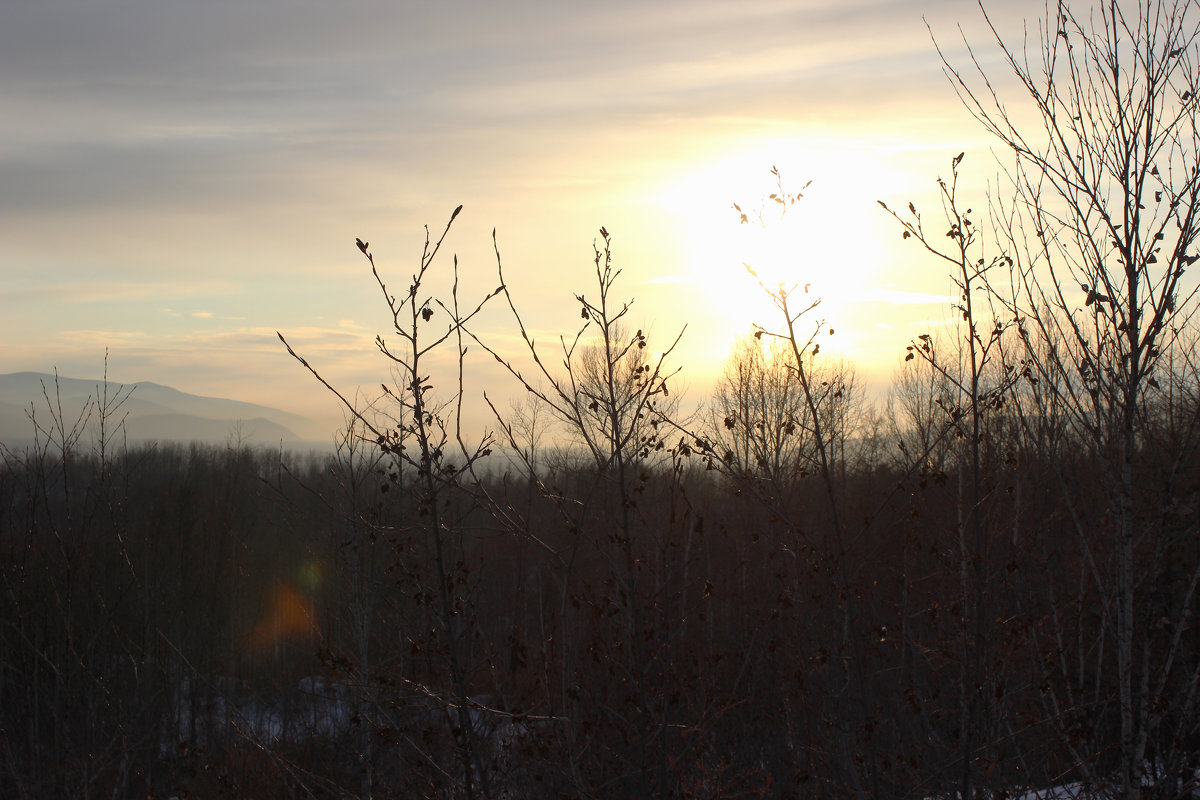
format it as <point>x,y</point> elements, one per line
<point>151,412</point>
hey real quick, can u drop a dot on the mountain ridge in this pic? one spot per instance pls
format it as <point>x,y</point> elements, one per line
<point>151,411</point>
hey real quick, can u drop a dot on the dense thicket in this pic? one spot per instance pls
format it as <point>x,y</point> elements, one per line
<point>212,621</point>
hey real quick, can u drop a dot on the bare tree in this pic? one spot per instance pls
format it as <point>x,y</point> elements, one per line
<point>759,423</point>
<point>422,444</point>
<point>613,399</point>
<point>612,389</point>
<point>757,414</point>
<point>970,388</point>
<point>1102,225</point>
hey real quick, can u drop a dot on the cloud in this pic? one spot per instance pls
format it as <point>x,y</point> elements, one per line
<point>202,314</point>
<point>899,297</point>
<point>106,292</point>
<point>676,56</point>
<point>97,340</point>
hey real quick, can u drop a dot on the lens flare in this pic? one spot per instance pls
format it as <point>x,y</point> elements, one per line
<point>289,617</point>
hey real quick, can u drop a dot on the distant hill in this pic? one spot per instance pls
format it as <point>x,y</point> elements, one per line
<point>152,412</point>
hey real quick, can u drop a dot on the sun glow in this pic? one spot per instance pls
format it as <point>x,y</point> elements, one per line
<point>825,246</point>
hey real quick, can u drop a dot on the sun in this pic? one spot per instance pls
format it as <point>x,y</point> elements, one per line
<point>827,246</point>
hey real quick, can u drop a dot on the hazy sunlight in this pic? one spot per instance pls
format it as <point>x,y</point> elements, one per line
<point>830,241</point>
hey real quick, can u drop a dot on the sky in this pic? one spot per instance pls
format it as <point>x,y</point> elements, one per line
<point>181,180</point>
